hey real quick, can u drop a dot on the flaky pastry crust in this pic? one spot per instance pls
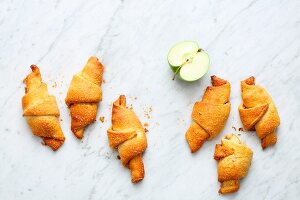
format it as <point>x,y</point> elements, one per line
<point>41,111</point>
<point>234,159</point>
<point>209,115</point>
<point>258,112</point>
<point>127,135</point>
<point>84,95</point>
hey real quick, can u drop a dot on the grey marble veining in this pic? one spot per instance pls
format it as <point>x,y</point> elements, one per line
<point>132,38</point>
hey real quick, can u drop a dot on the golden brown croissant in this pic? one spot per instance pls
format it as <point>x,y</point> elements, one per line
<point>41,111</point>
<point>84,95</point>
<point>128,135</point>
<point>209,115</point>
<point>258,112</point>
<point>234,160</point>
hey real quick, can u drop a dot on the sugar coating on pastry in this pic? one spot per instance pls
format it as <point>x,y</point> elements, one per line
<point>41,111</point>
<point>84,95</point>
<point>258,112</point>
<point>234,159</point>
<point>127,135</point>
<point>210,114</point>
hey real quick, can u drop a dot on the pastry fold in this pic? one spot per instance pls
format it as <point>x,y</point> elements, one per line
<point>209,115</point>
<point>258,112</point>
<point>84,95</point>
<point>234,160</point>
<point>41,111</point>
<point>127,135</point>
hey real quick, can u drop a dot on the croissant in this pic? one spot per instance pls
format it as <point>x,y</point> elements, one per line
<point>84,95</point>
<point>258,112</point>
<point>209,115</point>
<point>41,111</point>
<point>234,160</point>
<point>128,136</point>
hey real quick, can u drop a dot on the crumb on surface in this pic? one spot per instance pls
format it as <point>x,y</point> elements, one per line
<point>102,118</point>
<point>103,81</point>
<point>146,124</point>
<point>241,129</point>
<point>54,84</point>
<point>234,128</point>
<point>147,111</point>
<point>146,130</point>
<point>135,98</point>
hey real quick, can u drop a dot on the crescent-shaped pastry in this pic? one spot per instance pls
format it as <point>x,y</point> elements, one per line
<point>209,115</point>
<point>128,136</point>
<point>41,111</point>
<point>258,112</point>
<point>234,160</point>
<point>84,95</point>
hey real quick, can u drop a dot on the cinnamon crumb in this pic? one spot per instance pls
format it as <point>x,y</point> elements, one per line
<point>234,128</point>
<point>135,98</point>
<point>118,157</point>
<point>146,124</point>
<point>102,118</point>
<point>241,129</point>
<point>103,81</point>
<point>146,130</point>
<point>239,134</point>
<point>130,107</point>
<point>147,112</point>
<point>54,85</point>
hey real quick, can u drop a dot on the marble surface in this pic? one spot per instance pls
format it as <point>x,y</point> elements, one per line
<point>132,38</point>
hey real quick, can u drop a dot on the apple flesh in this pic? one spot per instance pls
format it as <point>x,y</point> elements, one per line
<point>188,61</point>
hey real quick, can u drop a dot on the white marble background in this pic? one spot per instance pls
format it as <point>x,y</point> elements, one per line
<point>132,38</point>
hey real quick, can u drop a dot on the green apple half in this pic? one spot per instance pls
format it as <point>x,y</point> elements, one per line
<point>188,61</point>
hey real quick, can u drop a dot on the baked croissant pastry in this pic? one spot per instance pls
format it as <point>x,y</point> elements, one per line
<point>41,111</point>
<point>234,160</point>
<point>84,95</point>
<point>128,136</point>
<point>258,112</point>
<point>209,115</point>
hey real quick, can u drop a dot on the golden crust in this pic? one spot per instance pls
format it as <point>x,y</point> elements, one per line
<point>84,95</point>
<point>128,135</point>
<point>209,115</point>
<point>234,160</point>
<point>258,112</point>
<point>41,111</point>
